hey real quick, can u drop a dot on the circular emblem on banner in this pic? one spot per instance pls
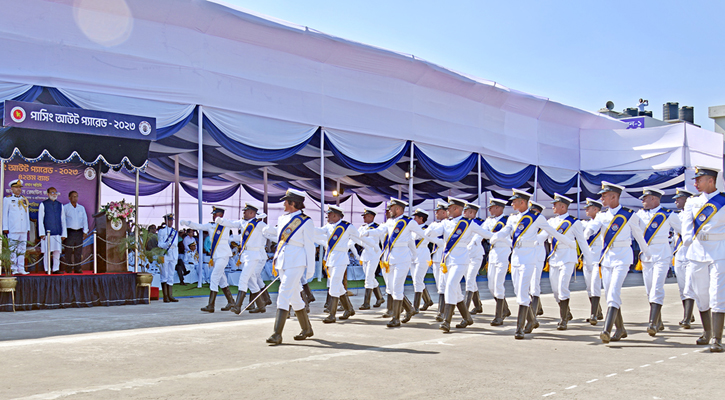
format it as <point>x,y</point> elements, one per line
<point>287,231</point>
<point>560,230</point>
<point>90,173</point>
<point>18,114</point>
<point>520,228</point>
<point>144,127</point>
<point>397,230</point>
<point>246,233</point>
<point>116,225</point>
<point>702,218</point>
<point>334,237</point>
<point>615,227</point>
<point>655,225</point>
<point>459,231</point>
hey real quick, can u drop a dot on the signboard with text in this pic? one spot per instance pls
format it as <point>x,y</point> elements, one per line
<point>77,120</point>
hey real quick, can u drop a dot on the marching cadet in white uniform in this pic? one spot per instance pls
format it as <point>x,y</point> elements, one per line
<point>370,259</point>
<point>498,259</point>
<point>168,241</point>
<point>220,253</point>
<point>338,237</point>
<point>522,229</point>
<point>687,294</point>
<point>656,223</point>
<point>457,232</point>
<point>421,264</point>
<point>703,229</point>
<point>535,287</point>
<point>251,244</point>
<point>562,259</point>
<point>398,255</point>
<point>619,226</point>
<point>591,268</point>
<point>475,253</point>
<point>16,225</point>
<point>293,260</point>
<point>441,214</point>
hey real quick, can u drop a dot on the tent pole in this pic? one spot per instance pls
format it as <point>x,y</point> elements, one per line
<point>479,183</point>
<point>536,183</point>
<point>265,206</point>
<point>578,192</point>
<point>2,185</point>
<point>200,164</point>
<point>410,181</point>
<point>100,186</point>
<point>176,192</point>
<point>400,192</point>
<point>337,199</point>
<point>136,227</point>
<point>322,178</point>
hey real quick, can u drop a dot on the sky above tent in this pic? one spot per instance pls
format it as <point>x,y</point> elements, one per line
<point>578,53</point>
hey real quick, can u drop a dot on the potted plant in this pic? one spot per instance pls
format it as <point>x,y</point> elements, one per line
<point>148,252</point>
<point>117,212</point>
<point>7,281</point>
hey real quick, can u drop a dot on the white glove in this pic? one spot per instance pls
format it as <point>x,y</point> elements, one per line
<point>219,220</point>
<point>185,223</point>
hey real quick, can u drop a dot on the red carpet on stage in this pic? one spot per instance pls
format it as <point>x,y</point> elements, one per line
<point>42,291</point>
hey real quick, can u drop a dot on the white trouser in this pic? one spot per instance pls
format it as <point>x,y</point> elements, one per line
<point>18,244</point>
<point>473,267</point>
<point>218,277</point>
<point>336,278</point>
<point>559,278</point>
<point>698,284</point>
<point>592,279</point>
<point>613,279</point>
<point>522,276</point>
<point>681,274</point>
<point>440,278</point>
<point>55,261</point>
<point>654,275</point>
<point>54,241</point>
<point>290,286</point>
<point>417,274</point>
<point>717,286</point>
<point>535,286</point>
<point>398,273</point>
<point>453,283</point>
<point>369,268</point>
<point>387,278</point>
<point>496,280</point>
<point>167,270</point>
<point>248,277</point>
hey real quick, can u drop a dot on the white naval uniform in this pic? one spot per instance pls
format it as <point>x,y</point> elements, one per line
<point>656,266</point>
<point>250,257</point>
<point>422,259</point>
<point>400,256</point>
<point>377,235</point>
<point>535,287</point>
<point>220,256</point>
<point>681,267</point>
<point>168,240</point>
<point>337,259</point>
<point>294,261</point>
<point>475,253</point>
<point>706,254</point>
<point>615,264</point>
<point>563,257</point>
<point>370,257</point>
<point>498,260</point>
<point>457,260</point>
<point>591,268</point>
<point>16,220</point>
<point>524,254</point>
<point>435,257</point>
<point>54,241</point>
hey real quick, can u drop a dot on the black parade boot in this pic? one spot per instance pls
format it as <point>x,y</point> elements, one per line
<point>539,308</point>
<point>506,310</point>
<point>477,305</point>
<point>347,306</point>
<point>619,333</point>
<point>706,318</point>
<point>654,317</point>
<point>333,310</point>
<point>279,321</point>
<point>595,309</point>
<point>532,323</point>
<point>366,301</point>
<point>308,293</point>
<point>230,299</point>
<point>467,319</point>
<point>268,300</point>
<point>563,310</point>
<point>606,334</point>
<point>718,319</point>
<point>427,301</point>
<point>237,309</point>
<point>498,318</point>
<point>441,307</point>
<point>468,299</point>
<point>165,292</point>
<point>170,292</point>
<point>416,301</point>
<point>445,326</point>
<point>389,312</point>
<point>689,306</point>
<point>261,304</point>
<point>326,307</point>
<point>524,312</point>
<point>396,310</point>
<point>409,311</point>
<point>379,299</point>
<point>212,299</point>
<point>304,320</point>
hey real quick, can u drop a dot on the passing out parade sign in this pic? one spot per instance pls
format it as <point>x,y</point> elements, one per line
<point>77,120</point>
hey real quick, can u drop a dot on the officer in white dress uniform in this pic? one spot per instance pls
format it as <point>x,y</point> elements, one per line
<point>251,243</point>
<point>338,237</point>
<point>220,254</point>
<point>168,240</point>
<point>16,225</point>
<point>522,230</point>
<point>475,253</point>
<point>703,229</point>
<point>370,259</point>
<point>687,294</point>
<point>421,264</point>
<point>535,287</point>
<point>656,222</point>
<point>398,255</point>
<point>562,259</point>
<point>498,259</point>
<point>591,269</point>
<point>51,218</point>
<point>457,234</point>
<point>441,214</point>
<point>619,226</point>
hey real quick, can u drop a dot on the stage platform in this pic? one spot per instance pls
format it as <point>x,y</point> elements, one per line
<point>42,291</point>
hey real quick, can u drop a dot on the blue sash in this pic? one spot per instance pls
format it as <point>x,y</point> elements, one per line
<point>478,221</point>
<point>248,233</point>
<point>563,229</point>
<point>620,219</point>
<point>172,241</point>
<point>215,238</point>
<point>419,241</point>
<point>390,240</point>
<point>456,235</point>
<point>593,237</point>
<point>287,232</point>
<point>707,211</point>
<point>524,223</point>
<point>655,224</point>
<point>374,225</point>
<point>337,234</point>
<point>500,224</point>
<point>678,243</point>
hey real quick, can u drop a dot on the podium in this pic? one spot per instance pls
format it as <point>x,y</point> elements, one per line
<point>110,256</point>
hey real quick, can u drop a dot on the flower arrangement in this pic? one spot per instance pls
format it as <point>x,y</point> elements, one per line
<point>117,211</point>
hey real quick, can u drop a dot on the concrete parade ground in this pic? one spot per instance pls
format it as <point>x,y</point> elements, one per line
<point>174,351</point>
